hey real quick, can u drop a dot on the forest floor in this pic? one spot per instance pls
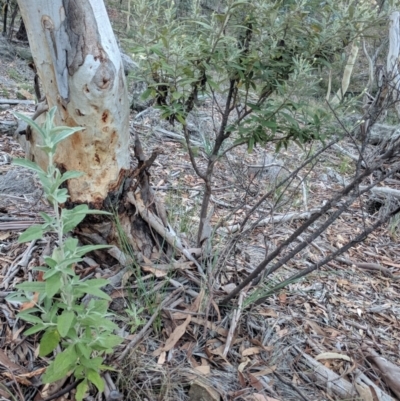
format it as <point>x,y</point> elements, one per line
<point>302,343</point>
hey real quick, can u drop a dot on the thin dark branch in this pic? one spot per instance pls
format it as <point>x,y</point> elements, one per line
<point>332,256</point>
<point>191,155</point>
<point>329,204</point>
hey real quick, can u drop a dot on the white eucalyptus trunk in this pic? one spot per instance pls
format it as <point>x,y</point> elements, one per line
<point>80,68</point>
<point>393,67</point>
<point>348,70</point>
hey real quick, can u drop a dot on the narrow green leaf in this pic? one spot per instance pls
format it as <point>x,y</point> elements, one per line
<point>49,342</point>
<point>111,341</point>
<point>61,365</point>
<point>97,282</point>
<point>97,292</point>
<point>28,164</point>
<point>146,93</point>
<point>83,350</point>
<point>60,195</point>
<point>34,286</point>
<point>98,306</point>
<point>96,379</point>
<point>31,233</point>
<point>34,329</point>
<point>31,123</point>
<point>64,322</point>
<point>83,250</point>
<point>69,175</point>
<point>53,284</point>
<point>47,218</point>
<point>65,134</point>
<point>81,390</point>
<point>30,318</point>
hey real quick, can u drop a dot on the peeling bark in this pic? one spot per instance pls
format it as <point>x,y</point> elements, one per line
<point>79,64</point>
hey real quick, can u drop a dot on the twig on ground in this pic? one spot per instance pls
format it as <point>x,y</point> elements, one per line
<point>158,226</point>
<point>328,205</point>
<point>291,385</point>
<point>327,259</point>
<point>235,320</point>
<point>368,266</point>
<point>139,336</point>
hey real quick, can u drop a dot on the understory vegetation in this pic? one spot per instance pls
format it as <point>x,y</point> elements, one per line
<point>274,167</point>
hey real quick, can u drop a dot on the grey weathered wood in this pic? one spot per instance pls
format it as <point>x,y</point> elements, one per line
<point>16,101</point>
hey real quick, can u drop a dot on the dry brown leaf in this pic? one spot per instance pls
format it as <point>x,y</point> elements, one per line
<point>204,362</point>
<point>242,380</point>
<point>10,365</point>
<point>119,294</point>
<point>158,273</point>
<point>19,379</point>
<point>24,94</point>
<point>179,315</point>
<point>147,261</point>
<point>217,351</point>
<point>204,370</point>
<point>162,358</point>
<point>243,365</point>
<point>194,307</point>
<point>251,351</point>
<point>255,382</point>
<point>365,392</point>
<point>174,337</point>
<point>210,325</point>
<point>265,372</point>
<point>201,391</point>
<point>268,312</point>
<point>315,327</point>
<point>125,277</point>
<point>4,235</point>
<point>259,344</point>
<point>34,373</point>
<point>282,298</point>
<point>30,304</point>
<point>193,361</point>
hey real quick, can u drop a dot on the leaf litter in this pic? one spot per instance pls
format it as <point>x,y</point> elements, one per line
<point>332,335</point>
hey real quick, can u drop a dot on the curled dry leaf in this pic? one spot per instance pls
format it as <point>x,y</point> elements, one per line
<point>174,337</point>
<point>243,364</point>
<point>30,304</point>
<point>265,372</point>
<point>251,351</point>
<point>332,355</point>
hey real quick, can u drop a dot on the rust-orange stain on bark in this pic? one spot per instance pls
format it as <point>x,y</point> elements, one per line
<point>104,116</point>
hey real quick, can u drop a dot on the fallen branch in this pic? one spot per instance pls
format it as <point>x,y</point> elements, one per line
<point>336,384</point>
<point>139,336</point>
<point>280,218</point>
<point>389,371</point>
<point>368,266</point>
<point>384,191</point>
<point>156,223</point>
<point>235,320</point>
<point>361,237</point>
<point>348,190</point>
<point>16,101</point>
<point>325,377</point>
